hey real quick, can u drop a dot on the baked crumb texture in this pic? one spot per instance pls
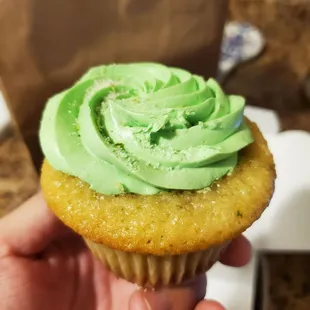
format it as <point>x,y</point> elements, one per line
<point>168,223</point>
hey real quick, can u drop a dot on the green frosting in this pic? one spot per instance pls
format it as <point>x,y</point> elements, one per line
<point>144,128</point>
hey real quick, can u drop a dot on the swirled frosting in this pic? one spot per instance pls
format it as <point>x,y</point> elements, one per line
<point>144,128</point>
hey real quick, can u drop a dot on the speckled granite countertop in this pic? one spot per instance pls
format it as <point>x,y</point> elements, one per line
<point>18,180</point>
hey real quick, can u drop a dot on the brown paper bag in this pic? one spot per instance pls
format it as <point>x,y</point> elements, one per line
<point>46,45</point>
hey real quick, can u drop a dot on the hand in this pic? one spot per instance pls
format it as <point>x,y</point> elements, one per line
<point>44,265</point>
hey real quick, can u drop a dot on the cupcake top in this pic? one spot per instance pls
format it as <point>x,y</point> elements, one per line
<point>144,128</point>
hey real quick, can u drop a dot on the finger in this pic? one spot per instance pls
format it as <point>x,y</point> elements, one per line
<point>209,305</point>
<point>238,253</point>
<point>138,302</point>
<point>29,228</point>
<point>185,296</point>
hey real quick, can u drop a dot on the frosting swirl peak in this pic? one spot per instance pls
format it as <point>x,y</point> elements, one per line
<point>144,128</point>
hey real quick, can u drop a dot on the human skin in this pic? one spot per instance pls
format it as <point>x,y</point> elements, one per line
<point>44,265</point>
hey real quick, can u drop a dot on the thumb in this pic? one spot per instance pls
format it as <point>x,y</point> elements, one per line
<point>29,228</point>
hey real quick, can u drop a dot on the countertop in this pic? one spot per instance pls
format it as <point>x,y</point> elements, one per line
<point>18,179</point>
<point>276,79</point>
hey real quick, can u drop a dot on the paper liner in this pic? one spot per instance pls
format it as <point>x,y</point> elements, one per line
<point>149,270</point>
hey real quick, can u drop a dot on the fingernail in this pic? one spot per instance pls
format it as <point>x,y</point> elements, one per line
<point>138,301</point>
<point>157,300</point>
<point>147,304</point>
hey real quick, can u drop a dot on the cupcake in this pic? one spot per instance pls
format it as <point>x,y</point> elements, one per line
<point>155,167</point>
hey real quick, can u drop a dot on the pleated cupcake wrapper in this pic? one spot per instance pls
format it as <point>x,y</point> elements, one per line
<point>149,270</point>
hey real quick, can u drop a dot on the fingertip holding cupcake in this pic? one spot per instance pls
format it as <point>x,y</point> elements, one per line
<point>238,253</point>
